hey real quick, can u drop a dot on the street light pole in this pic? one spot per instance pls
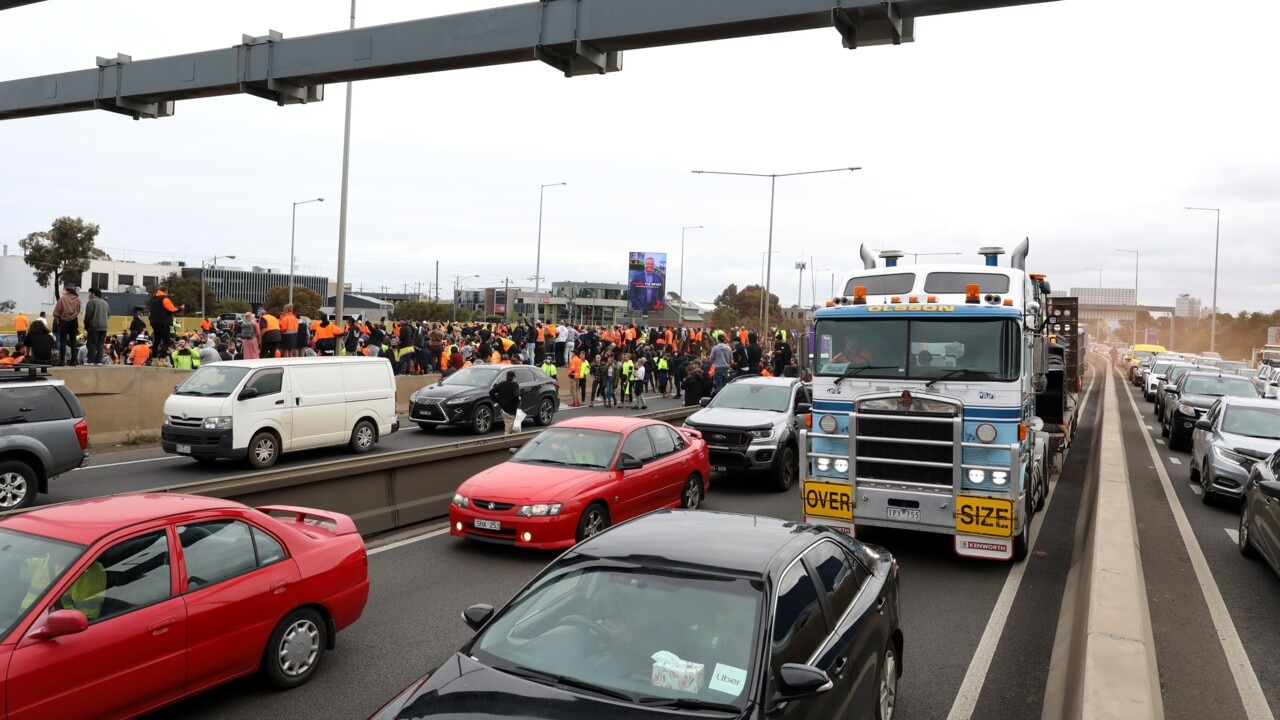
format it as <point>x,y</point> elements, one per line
<point>1136,255</point>
<point>682,231</point>
<point>212,263</point>
<point>341,278</point>
<point>293,234</point>
<point>1213,317</point>
<point>537,268</point>
<point>773,180</point>
<point>763,301</point>
<point>800,283</point>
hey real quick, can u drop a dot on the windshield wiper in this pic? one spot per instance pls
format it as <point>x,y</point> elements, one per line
<point>548,461</point>
<point>687,704</point>
<point>563,681</point>
<point>945,375</point>
<point>851,371</point>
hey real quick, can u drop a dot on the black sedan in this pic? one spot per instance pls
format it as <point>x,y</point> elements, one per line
<point>1260,512</point>
<point>683,613</point>
<point>1191,397</point>
<point>463,398</point>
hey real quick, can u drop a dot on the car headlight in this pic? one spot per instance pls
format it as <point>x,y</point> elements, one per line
<point>1186,409</point>
<point>217,423</point>
<point>764,434</point>
<point>824,464</point>
<point>1234,457</point>
<point>460,500</point>
<point>977,476</point>
<point>457,401</point>
<point>539,510</point>
<point>413,398</point>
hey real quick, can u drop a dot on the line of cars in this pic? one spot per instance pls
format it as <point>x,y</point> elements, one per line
<point>1230,424</point>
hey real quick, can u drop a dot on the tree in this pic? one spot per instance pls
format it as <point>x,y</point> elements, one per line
<point>63,250</point>
<point>230,305</point>
<point>745,305</point>
<point>185,290</point>
<point>7,306</point>
<point>306,302</point>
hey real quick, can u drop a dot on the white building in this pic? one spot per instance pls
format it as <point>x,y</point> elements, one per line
<point>1186,307</point>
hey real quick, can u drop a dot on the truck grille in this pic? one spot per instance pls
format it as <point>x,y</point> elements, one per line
<point>724,437</point>
<point>875,436</point>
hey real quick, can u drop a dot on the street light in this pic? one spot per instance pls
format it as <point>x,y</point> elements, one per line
<point>457,292</point>
<point>801,265</point>
<point>773,181</point>
<point>763,298</point>
<point>682,231</point>
<point>537,268</point>
<point>1213,318</point>
<point>1135,293</point>
<point>212,263</point>
<point>1099,270</point>
<point>293,233</point>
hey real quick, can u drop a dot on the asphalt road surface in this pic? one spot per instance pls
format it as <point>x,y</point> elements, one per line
<point>978,634</point>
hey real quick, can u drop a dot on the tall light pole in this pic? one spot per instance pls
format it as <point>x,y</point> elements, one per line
<point>457,292</point>
<point>537,268</point>
<point>773,181</point>
<point>1213,317</point>
<point>212,263</point>
<point>293,234</point>
<point>342,205</point>
<point>1099,271</point>
<point>682,231</point>
<point>801,265</point>
<point>764,300</point>
<point>1136,255</point>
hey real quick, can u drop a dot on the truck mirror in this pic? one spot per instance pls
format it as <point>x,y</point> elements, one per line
<point>1039,364</point>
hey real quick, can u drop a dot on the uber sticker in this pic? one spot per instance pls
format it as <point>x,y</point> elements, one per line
<point>728,679</point>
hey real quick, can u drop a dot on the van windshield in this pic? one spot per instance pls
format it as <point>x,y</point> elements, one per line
<point>213,380</point>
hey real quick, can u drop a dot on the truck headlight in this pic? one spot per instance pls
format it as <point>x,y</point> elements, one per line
<point>460,500</point>
<point>999,477</point>
<point>842,466</point>
<point>824,464</point>
<point>977,476</point>
<point>217,423</point>
<point>764,434</point>
<point>539,510</point>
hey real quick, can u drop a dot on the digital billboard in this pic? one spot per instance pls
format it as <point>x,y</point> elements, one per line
<point>647,281</point>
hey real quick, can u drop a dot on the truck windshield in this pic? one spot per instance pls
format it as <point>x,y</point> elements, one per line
<point>900,348</point>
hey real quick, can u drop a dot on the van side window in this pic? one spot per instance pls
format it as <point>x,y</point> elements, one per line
<point>267,382</point>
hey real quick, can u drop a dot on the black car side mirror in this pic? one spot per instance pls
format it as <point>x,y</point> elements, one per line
<point>247,394</point>
<point>796,680</point>
<point>477,615</point>
<point>1203,424</point>
<point>803,408</point>
<point>704,401</point>
<point>1270,488</point>
<point>514,450</point>
<point>629,463</point>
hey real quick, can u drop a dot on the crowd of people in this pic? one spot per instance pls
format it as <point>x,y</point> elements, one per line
<point>611,365</point>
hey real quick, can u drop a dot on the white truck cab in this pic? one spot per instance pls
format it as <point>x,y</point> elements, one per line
<point>258,409</point>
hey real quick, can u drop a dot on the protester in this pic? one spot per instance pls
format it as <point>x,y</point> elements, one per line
<point>96,315</point>
<point>66,318</point>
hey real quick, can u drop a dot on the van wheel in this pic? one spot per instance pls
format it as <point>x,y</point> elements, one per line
<point>18,483</point>
<point>482,419</point>
<point>295,649</point>
<point>546,412</point>
<point>363,436</point>
<point>264,450</point>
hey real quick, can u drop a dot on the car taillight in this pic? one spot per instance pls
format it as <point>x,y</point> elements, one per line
<point>82,434</point>
<point>556,384</point>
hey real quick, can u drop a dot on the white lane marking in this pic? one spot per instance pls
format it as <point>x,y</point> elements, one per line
<point>409,541</point>
<point>1175,461</point>
<point>1158,441</point>
<point>976,676</point>
<point>1196,489</point>
<point>1234,535</point>
<point>130,462</point>
<point>1255,703</point>
<point>1148,427</point>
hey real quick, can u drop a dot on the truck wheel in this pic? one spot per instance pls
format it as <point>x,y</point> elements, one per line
<point>1042,485</point>
<point>785,472</point>
<point>363,436</point>
<point>264,450</point>
<point>482,419</point>
<point>1022,542</point>
<point>18,483</point>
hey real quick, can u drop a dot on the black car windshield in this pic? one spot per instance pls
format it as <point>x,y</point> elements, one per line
<point>30,564</point>
<point>956,349</point>
<point>578,447</point>
<point>642,633</point>
<point>1233,386</point>
<point>751,396</point>
<point>473,376</point>
<point>213,380</point>
<point>1252,422</point>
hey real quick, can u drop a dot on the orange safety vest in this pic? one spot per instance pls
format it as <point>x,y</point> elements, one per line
<point>273,322</point>
<point>631,334</point>
<point>539,335</point>
<point>139,355</point>
<point>288,322</point>
<point>575,365</point>
<point>205,325</point>
<point>20,323</point>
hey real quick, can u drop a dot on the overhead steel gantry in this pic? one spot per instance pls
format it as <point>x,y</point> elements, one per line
<point>576,37</point>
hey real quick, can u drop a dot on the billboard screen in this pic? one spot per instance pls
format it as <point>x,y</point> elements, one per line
<point>646,281</point>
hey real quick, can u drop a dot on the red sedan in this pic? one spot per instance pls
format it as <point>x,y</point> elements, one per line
<point>578,477</point>
<point>111,608</point>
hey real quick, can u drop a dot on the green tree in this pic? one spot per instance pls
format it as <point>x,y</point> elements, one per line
<point>65,249</point>
<point>230,305</point>
<point>745,305</point>
<point>7,306</point>
<point>305,300</point>
<point>185,290</point>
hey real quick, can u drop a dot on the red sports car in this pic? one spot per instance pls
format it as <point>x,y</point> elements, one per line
<point>111,608</point>
<point>578,477</point>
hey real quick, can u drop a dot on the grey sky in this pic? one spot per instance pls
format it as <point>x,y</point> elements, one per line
<point>1084,124</point>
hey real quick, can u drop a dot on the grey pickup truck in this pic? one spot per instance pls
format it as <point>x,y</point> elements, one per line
<point>753,426</point>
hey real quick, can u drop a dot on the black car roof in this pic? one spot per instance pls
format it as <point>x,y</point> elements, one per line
<point>745,545</point>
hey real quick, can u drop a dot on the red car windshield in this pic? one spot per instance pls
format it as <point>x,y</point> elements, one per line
<point>577,447</point>
<point>29,564</point>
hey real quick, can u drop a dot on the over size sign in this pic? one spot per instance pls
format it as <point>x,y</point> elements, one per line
<point>833,501</point>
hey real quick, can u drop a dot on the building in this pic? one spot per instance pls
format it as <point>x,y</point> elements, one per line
<point>252,285</point>
<point>353,304</point>
<point>1186,306</point>
<point>1102,307</point>
<point>113,277</point>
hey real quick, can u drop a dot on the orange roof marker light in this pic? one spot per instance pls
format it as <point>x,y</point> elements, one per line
<point>913,299</point>
<point>895,299</point>
<point>860,294</point>
<point>971,293</point>
<point>1008,302</point>
<point>932,299</point>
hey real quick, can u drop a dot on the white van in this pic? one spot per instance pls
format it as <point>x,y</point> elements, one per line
<point>257,409</point>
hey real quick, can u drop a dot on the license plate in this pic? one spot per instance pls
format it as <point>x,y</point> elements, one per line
<point>719,468</point>
<point>984,516</point>
<point>488,524</point>
<point>183,449</point>
<point>905,514</point>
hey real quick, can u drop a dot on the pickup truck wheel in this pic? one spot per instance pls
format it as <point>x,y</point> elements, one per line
<point>784,475</point>
<point>18,483</point>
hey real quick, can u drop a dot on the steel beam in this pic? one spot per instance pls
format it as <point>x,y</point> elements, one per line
<point>575,37</point>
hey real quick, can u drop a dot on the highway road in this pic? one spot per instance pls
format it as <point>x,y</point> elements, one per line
<point>979,634</point>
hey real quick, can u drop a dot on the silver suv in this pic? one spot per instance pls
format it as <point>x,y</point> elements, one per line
<point>753,425</point>
<point>42,434</point>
